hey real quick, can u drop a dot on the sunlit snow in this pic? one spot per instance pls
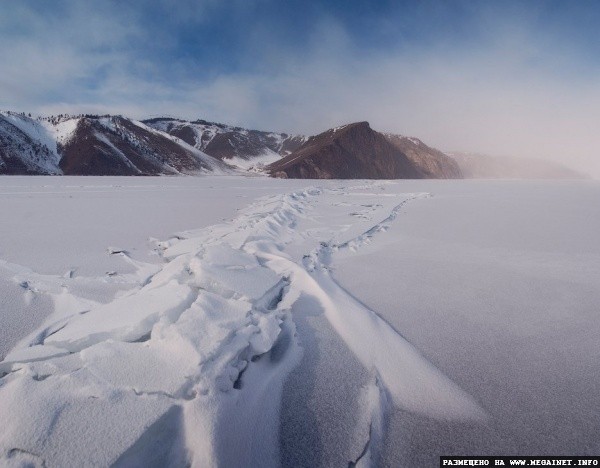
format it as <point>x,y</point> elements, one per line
<point>256,322</point>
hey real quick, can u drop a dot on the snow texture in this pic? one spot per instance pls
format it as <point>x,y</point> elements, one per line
<point>194,357</point>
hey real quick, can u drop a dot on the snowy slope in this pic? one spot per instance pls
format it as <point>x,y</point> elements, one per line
<point>27,146</point>
<point>177,157</point>
<point>237,146</point>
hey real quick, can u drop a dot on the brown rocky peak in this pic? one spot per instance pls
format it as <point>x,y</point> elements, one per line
<point>356,151</point>
<point>353,151</point>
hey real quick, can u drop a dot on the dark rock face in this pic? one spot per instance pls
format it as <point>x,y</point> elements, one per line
<point>186,134</point>
<point>117,146</point>
<point>353,151</point>
<point>481,166</point>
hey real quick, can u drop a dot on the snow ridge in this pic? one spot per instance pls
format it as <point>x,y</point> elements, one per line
<point>188,367</point>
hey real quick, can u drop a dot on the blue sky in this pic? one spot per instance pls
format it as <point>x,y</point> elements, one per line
<point>504,77</point>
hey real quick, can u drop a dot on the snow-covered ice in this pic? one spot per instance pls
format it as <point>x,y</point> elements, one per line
<point>258,322</point>
<point>54,226</point>
<point>498,285</point>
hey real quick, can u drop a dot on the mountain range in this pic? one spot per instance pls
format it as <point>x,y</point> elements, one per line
<point>115,145</point>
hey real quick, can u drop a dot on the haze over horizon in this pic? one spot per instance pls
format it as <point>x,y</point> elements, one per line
<point>510,78</point>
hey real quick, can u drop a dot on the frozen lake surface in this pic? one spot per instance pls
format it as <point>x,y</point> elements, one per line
<point>498,285</point>
<point>263,322</point>
<point>55,225</point>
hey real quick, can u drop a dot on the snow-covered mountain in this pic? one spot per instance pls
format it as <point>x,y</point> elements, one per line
<point>116,145</point>
<point>237,146</point>
<point>96,145</point>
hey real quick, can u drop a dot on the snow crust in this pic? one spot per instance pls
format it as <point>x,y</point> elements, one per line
<point>351,300</point>
<point>497,283</point>
<point>205,343</point>
<point>72,228</point>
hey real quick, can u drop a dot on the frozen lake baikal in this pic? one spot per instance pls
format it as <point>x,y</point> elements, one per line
<point>252,321</point>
